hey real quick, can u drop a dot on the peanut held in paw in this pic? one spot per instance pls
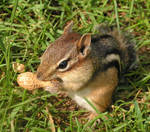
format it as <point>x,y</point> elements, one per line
<point>29,81</point>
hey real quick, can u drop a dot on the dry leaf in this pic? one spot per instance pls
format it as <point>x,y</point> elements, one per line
<point>17,67</point>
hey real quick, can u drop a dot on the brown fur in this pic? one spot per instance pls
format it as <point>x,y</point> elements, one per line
<point>89,72</point>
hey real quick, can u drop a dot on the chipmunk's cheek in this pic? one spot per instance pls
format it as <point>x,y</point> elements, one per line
<point>75,78</point>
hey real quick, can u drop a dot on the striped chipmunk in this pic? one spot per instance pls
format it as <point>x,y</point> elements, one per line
<point>87,66</point>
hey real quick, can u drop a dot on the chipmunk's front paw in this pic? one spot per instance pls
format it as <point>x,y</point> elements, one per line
<point>52,90</point>
<point>54,87</point>
<point>97,119</point>
<point>93,116</point>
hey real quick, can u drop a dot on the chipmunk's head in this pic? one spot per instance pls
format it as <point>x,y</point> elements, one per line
<point>64,54</point>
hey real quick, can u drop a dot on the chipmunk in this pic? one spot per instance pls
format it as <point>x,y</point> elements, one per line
<point>87,66</point>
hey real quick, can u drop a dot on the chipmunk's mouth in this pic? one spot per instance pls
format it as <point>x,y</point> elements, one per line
<point>58,79</point>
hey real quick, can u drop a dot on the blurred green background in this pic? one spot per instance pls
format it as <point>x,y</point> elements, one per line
<point>27,27</point>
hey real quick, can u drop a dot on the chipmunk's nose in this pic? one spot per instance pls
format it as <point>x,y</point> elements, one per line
<point>40,76</point>
<point>43,76</point>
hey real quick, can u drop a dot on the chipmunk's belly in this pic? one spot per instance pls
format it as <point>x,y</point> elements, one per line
<point>80,97</point>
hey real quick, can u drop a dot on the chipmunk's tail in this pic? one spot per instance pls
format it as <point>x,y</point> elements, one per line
<point>126,46</point>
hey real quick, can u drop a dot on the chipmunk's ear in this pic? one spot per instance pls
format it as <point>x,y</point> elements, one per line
<point>68,28</point>
<point>84,45</point>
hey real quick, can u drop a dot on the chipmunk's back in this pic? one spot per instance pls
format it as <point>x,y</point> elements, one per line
<point>113,49</point>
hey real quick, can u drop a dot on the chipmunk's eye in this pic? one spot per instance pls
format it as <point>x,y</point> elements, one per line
<point>63,64</point>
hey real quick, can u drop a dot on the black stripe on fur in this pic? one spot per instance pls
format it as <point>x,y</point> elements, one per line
<point>111,64</point>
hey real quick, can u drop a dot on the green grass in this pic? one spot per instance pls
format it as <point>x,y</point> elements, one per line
<point>28,26</point>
